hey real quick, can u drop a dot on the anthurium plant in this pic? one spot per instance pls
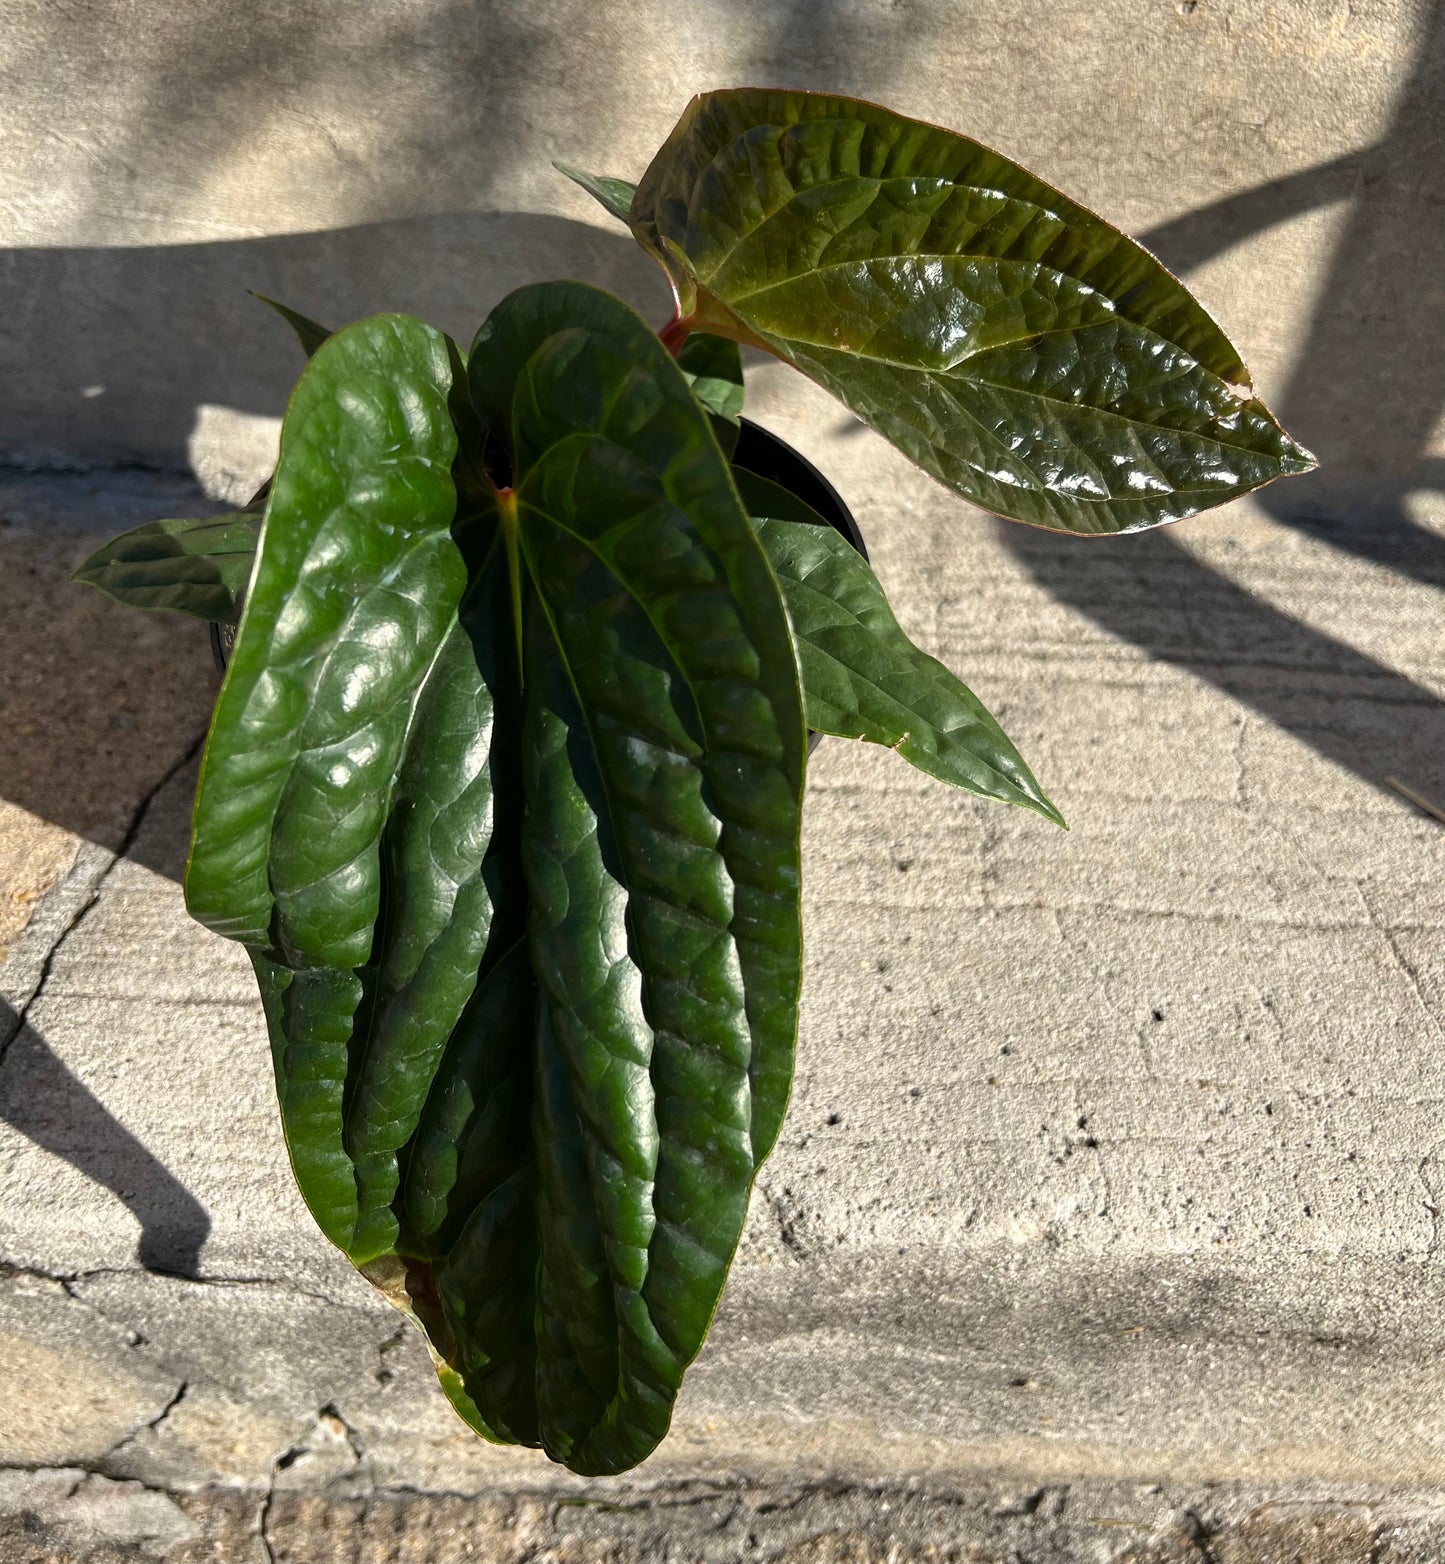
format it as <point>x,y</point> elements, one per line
<point>503,786</point>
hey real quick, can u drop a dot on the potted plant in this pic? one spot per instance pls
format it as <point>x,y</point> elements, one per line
<point>503,786</point>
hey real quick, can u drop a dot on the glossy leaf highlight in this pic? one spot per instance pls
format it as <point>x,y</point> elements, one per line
<point>1012,343</point>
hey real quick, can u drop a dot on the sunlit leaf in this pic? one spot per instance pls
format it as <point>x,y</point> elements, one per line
<point>1013,344</point>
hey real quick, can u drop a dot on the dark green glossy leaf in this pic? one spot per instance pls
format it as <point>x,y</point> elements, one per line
<point>862,677</point>
<point>356,582</point>
<point>311,796</point>
<point>615,194</point>
<point>1012,343</point>
<point>713,368</point>
<point>527,931</point>
<point>198,567</point>
<point>454,901</point>
<point>664,782</point>
<point>308,333</point>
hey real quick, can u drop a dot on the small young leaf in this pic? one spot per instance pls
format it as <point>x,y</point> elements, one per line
<point>615,194</point>
<point>862,677</point>
<point>308,333</point>
<point>197,567</point>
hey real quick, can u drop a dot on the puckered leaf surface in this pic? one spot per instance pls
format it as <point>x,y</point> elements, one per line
<point>502,793</point>
<point>1012,343</point>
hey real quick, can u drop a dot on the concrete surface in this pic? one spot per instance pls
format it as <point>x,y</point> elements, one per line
<point>1106,1224</point>
<point>1289,155</point>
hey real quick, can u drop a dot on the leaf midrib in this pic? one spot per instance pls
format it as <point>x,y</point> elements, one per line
<point>616,1386</point>
<point>939,375</point>
<point>877,182</point>
<point>587,718</point>
<point>954,371</point>
<point>922,256</point>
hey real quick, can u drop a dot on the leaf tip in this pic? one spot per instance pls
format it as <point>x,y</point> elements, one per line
<point>613,194</point>
<point>1045,806</point>
<point>308,333</point>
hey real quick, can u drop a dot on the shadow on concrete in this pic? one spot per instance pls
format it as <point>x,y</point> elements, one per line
<point>1367,391</point>
<point>1366,395</point>
<point>1151,592</point>
<point>140,346</point>
<point>97,701</point>
<point>133,381</point>
<point>41,1099</point>
<point>832,46</point>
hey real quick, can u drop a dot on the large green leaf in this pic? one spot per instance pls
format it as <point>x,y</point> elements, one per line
<point>503,794</point>
<point>862,676</point>
<point>1012,343</point>
<point>665,758</point>
<point>356,580</point>
<point>198,567</point>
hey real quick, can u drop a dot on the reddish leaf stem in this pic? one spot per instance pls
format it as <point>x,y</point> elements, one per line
<point>675,333</point>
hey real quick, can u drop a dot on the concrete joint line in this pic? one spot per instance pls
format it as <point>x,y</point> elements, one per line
<point>68,1280</point>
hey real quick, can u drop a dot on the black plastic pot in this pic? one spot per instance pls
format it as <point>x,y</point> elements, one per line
<point>758,451</point>
<point>223,638</point>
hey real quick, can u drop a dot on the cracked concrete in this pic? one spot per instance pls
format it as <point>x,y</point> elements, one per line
<point>1105,1221</point>
<point>78,896</point>
<point>1105,1227</point>
<point>705,1521</point>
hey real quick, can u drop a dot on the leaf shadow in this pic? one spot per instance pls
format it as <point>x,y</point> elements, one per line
<point>99,700</point>
<point>1151,592</point>
<point>1367,390</point>
<point>113,384</point>
<point>45,1102</point>
<point>1366,393</point>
